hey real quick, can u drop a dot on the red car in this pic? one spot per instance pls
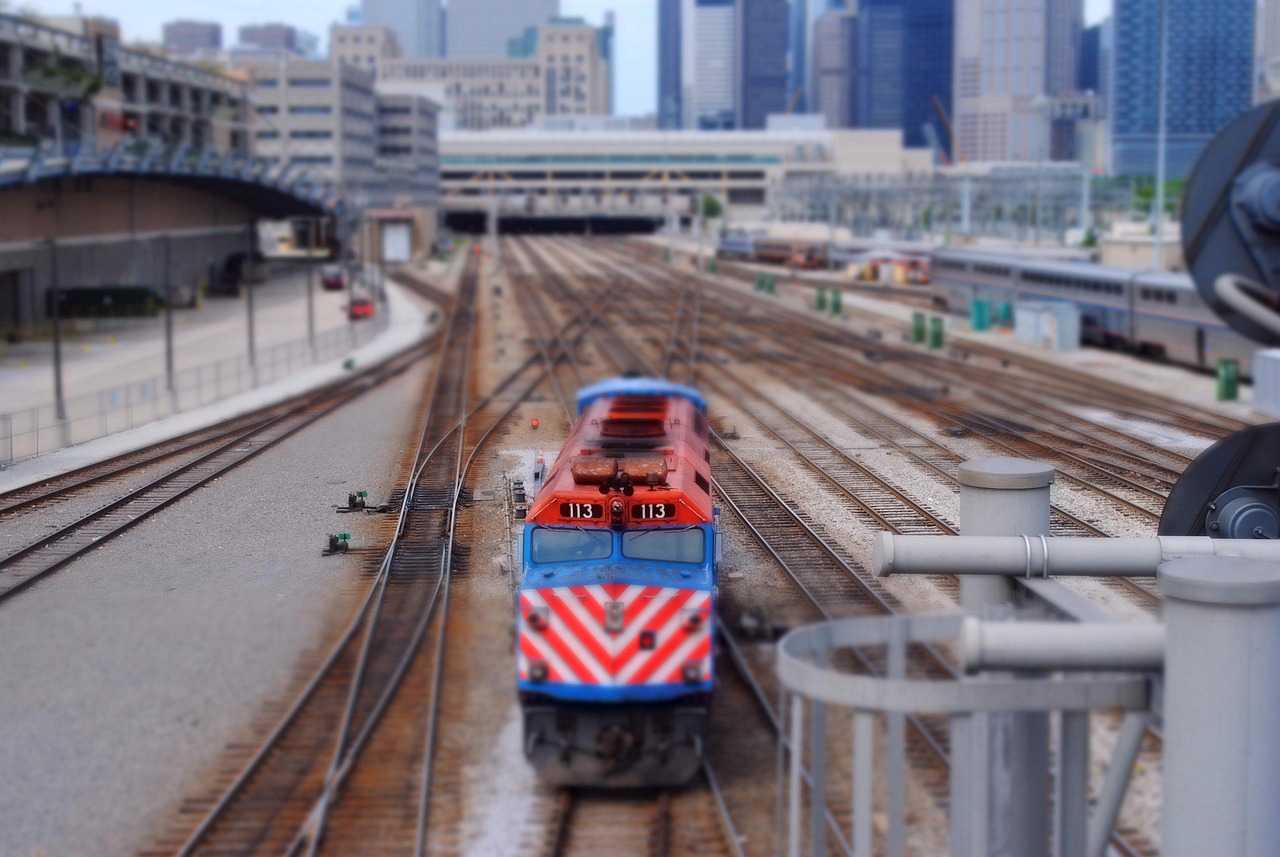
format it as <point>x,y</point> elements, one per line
<point>360,308</point>
<point>332,278</point>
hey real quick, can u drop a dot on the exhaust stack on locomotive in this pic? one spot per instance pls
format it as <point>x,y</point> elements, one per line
<point>617,599</point>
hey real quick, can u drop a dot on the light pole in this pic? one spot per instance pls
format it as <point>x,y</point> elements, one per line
<point>168,320</point>
<point>313,235</point>
<point>247,275</point>
<point>60,402</point>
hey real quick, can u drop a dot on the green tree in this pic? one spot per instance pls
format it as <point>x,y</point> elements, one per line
<point>711,207</point>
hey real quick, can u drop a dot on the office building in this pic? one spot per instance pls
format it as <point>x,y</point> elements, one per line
<point>418,25</point>
<point>183,38</point>
<point>319,117</point>
<point>408,149</point>
<point>804,17</point>
<point>1012,58</point>
<point>670,86</point>
<point>883,65</point>
<point>363,47</point>
<point>561,69</point>
<point>144,97</point>
<point>271,37</point>
<point>834,68</point>
<point>878,52</point>
<point>1210,79</point>
<point>722,64</point>
<point>708,68</point>
<point>761,62</point>
<point>483,29</point>
<point>1088,66</point>
<point>928,32</point>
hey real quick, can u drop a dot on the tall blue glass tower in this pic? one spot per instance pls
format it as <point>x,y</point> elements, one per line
<point>670,103</point>
<point>879,49</point>
<point>762,61</point>
<point>1210,65</point>
<point>928,32</point>
<point>903,51</point>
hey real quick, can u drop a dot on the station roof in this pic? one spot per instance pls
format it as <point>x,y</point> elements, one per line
<point>267,189</point>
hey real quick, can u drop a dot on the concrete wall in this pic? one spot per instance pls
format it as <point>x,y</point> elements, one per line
<point>109,231</point>
<point>102,207</point>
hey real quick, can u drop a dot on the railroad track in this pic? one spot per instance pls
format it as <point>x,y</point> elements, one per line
<point>799,549</point>
<point>215,453</point>
<point>691,821</point>
<point>279,799</point>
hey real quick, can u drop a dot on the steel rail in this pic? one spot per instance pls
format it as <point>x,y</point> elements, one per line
<point>305,415</point>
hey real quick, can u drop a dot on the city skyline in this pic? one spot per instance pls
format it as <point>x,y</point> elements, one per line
<point>636,80</point>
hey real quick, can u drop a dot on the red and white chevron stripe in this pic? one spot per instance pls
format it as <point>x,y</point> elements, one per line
<point>577,648</point>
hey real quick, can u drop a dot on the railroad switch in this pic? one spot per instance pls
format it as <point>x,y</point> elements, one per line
<point>357,501</point>
<point>338,543</point>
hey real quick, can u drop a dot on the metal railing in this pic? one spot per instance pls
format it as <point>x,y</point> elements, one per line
<point>36,431</point>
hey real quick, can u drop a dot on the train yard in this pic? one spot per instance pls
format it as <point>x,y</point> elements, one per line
<point>399,731</point>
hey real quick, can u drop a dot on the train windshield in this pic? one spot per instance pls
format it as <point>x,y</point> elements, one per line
<point>554,545</point>
<point>683,545</point>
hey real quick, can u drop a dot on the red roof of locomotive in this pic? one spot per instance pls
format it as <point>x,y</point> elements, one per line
<point>656,445</point>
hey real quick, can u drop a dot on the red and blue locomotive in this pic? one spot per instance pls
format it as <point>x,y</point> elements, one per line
<point>617,599</point>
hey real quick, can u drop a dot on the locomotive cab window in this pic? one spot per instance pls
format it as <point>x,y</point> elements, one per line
<point>686,545</point>
<point>555,545</point>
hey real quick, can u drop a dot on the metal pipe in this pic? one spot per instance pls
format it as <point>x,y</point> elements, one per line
<point>1092,646</point>
<point>1041,556</point>
<point>1116,782</point>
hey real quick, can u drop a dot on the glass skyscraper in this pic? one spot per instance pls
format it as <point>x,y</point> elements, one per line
<point>1211,48</point>
<point>762,61</point>
<point>482,29</point>
<point>670,108</point>
<point>416,23</point>
<point>928,32</point>
<point>878,50</point>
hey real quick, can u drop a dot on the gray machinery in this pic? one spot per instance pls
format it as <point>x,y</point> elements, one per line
<point>1231,491</point>
<point>1231,224</point>
<point>1231,240</point>
<point>1206,670</point>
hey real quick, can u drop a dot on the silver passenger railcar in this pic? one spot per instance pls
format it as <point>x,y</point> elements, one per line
<point>1156,314</point>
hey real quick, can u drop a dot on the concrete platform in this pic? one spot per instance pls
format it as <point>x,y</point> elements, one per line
<point>409,323</point>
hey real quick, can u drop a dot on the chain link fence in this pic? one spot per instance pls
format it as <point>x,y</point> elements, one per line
<point>36,431</point>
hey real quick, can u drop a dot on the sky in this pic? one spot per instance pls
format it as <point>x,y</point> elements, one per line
<point>636,34</point>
